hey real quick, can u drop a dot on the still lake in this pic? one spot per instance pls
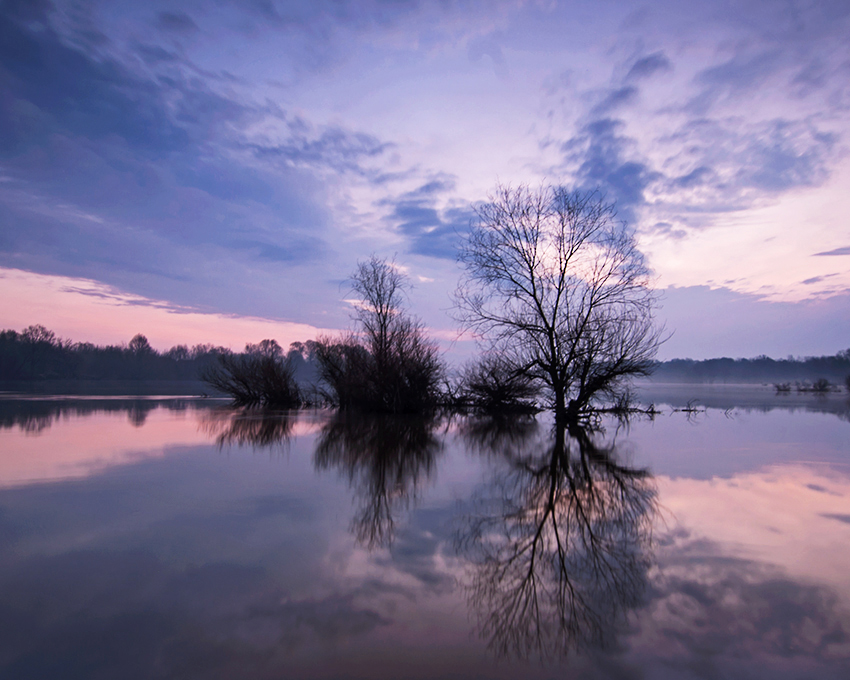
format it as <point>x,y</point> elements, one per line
<point>174,538</point>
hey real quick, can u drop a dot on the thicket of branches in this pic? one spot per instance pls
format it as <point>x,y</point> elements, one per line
<point>261,376</point>
<point>497,386</point>
<point>388,364</point>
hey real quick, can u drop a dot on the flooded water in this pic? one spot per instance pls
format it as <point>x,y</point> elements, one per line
<point>173,538</point>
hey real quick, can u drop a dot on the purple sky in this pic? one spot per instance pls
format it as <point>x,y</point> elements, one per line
<point>212,171</point>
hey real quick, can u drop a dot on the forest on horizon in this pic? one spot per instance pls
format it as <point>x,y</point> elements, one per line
<point>38,354</point>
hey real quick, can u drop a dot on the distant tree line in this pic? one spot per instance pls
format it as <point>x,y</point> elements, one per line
<point>36,353</point>
<point>762,369</point>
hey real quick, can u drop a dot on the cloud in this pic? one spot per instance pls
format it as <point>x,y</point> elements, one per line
<point>648,66</point>
<point>178,22</point>
<point>154,54</point>
<point>331,147</point>
<point>817,279</point>
<point>736,76</point>
<point>430,230</point>
<point>605,159</point>
<point>711,612</point>
<point>731,165</point>
<point>27,10</point>
<point>841,518</point>
<point>417,552</point>
<point>713,166</point>
<point>616,99</point>
<point>293,250</point>
<point>482,46</point>
<point>130,614</point>
<point>142,179</point>
<point>66,89</point>
<point>709,322</point>
<point>844,250</point>
<point>729,136</point>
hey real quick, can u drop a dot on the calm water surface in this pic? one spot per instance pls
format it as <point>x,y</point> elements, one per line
<point>169,538</point>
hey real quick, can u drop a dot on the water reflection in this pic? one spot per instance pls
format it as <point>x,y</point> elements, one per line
<point>249,427</point>
<point>746,398</point>
<point>560,553</point>
<point>130,552</point>
<point>386,460</point>
<point>35,416</point>
<point>498,436</point>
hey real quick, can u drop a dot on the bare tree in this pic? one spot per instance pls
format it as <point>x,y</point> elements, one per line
<point>38,342</point>
<point>380,286</point>
<point>265,348</point>
<point>555,280</point>
<point>494,385</point>
<point>388,365</point>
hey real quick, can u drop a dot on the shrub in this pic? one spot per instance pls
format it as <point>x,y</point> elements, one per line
<point>255,380</point>
<point>402,378</point>
<point>821,385</point>
<point>344,366</point>
<point>389,365</point>
<point>494,387</point>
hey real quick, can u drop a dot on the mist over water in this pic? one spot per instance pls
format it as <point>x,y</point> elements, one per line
<point>177,538</point>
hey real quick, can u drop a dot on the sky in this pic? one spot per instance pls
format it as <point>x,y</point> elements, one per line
<point>213,171</point>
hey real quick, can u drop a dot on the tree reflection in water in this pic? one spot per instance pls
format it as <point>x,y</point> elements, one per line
<point>560,554</point>
<point>386,459</point>
<point>249,427</point>
<point>37,415</point>
<point>498,436</point>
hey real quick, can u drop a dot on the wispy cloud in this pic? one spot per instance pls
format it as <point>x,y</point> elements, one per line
<point>845,250</point>
<point>431,230</point>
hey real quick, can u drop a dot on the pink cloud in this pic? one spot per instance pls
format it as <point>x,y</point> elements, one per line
<point>86,310</point>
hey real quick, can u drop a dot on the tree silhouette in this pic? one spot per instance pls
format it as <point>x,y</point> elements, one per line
<point>496,385</point>
<point>261,377</point>
<point>388,365</point>
<point>39,342</point>
<point>139,345</point>
<point>557,286</point>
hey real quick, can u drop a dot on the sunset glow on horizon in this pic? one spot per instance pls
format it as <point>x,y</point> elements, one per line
<point>81,310</point>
